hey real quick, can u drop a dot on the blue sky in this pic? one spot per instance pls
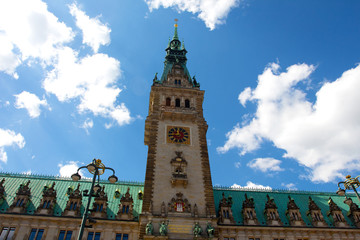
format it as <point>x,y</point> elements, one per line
<point>281,82</point>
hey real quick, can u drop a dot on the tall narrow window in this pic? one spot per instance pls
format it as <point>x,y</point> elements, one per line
<point>94,236</point>
<point>187,103</point>
<point>168,101</point>
<point>120,236</point>
<point>36,234</point>
<point>65,235</point>
<point>177,102</point>
<point>7,233</point>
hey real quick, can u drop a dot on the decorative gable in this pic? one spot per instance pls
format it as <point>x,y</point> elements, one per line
<point>293,213</point>
<point>2,191</point>
<point>248,211</point>
<point>315,214</point>
<point>22,199</point>
<point>336,214</point>
<point>100,204</point>
<point>74,203</point>
<point>48,200</point>
<point>225,212</point>
<point>354,212</point>
<point>126,207</point>
<point>271,212</point>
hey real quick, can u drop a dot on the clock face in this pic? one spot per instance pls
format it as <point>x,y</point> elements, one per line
<point>178,135</point>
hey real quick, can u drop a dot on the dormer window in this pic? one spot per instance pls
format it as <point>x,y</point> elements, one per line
<point>177,82</point>
<point>187,103</point>
<point>177,102</point>
<point>168,101</point>
<point>46,204</point>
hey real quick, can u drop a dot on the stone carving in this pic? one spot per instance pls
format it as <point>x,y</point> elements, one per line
<point>22,199</point>
<point>197,230</point>
<point>179,204</point>
<point>163,228</point>
<point>272,215</point>
<point>74,203</point>
<point>196,211</point>
<point>210,230</point>
<point>225,211</point>
<point>100,204</point>
<point>126,206</point>
<point>48,201</point>
<point>149,229</point>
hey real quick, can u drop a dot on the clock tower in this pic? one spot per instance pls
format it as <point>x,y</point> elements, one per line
<point>178,193</point>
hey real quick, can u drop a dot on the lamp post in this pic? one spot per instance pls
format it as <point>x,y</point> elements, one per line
<point>349,184</point>
<point>96,168</point>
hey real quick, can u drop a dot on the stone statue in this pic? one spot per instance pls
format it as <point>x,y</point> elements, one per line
<point>155,80</point>
<point>209,230</point>
<point>197,230</point>
<point>163,209</point>
<point>163,228</point>
<point>149,228</point>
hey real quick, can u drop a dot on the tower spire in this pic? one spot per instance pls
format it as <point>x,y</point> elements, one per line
<point>176,37</point>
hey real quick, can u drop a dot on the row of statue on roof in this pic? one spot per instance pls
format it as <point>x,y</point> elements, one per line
<point>163,229</point>
<point>292,213</point>
<point>22,200</point>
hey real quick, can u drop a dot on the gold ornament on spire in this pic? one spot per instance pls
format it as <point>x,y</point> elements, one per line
<point>176,20</point>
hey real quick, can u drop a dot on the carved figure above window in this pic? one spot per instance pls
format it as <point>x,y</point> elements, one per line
<point>74,203</point>
<point>126,207</point>
<point>293,213</point>
<point>354,211</point>
<point>336,214</point>
<point>178,170</point>
<point>2,191</point>
<point>22,199</point>
<point>271,212</point>
<point>48,200</point>
<point>225,212</point>
<point>315,214</point>
<point>100,204</point>
<point>249,212</point>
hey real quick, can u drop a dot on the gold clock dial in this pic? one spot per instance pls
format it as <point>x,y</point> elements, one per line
<point>178,135</point>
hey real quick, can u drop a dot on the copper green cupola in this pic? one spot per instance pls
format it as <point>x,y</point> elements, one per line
<point>176,58</point>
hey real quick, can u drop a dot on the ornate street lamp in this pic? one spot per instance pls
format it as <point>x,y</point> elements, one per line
<point>349,184</point>
<point>96,168</point>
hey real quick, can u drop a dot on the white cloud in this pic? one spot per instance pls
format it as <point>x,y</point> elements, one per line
<point>30,102</point>
<point>8,59</point>
<point>237,164</point>
<point>212,12</point>
<point>66,170</point>
<point>265,164</point>
<point>9,138</point>
<point>250,184</point>
<point>290,186</point>
<point>28,172</point>
<point>29,31</point>
<point>322,136</point>
<point>92,79</point>
<point>88,123</point>
<point>94,32</point>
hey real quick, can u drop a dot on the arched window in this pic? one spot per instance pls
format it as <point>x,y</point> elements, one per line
<point>177,82</point>
<point>168,101</point>
<point>187,103</point>
<point>177,102</point>
<point>74,206</point>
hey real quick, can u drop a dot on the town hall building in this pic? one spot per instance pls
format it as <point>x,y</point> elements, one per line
<point>177,199</point>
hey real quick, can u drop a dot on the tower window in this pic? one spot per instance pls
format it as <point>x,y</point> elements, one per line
<point>168,101</point>
<point>187,103</point>
<point>177,102</point>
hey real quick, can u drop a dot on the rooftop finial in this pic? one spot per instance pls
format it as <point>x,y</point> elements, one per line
<point>176,33</point>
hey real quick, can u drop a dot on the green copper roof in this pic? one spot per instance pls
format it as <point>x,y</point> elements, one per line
<point>301,198</point>
<point>281,199</point>
<point>13,181</point>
